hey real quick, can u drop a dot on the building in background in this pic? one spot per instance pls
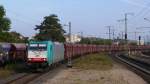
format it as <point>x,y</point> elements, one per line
<point>141,42</point>
<point>74,38</point>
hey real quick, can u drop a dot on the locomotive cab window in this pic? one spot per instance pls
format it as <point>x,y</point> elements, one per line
<point>39,47</point>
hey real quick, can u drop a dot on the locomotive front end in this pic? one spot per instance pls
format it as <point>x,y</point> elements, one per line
<point>37,55</point>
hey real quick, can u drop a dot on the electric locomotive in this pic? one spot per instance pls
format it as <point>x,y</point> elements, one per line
<point>42,54</point>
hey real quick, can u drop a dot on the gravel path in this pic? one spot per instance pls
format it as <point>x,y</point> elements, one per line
<point>117,75</point>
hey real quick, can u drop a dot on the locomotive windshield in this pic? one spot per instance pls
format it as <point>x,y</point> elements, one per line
<point>37,52</point>
<point>40,47</point>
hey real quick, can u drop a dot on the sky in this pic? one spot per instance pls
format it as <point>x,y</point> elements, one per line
<point>88,16</point>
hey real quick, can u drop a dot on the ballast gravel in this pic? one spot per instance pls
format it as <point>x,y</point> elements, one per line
<point>117,75</point>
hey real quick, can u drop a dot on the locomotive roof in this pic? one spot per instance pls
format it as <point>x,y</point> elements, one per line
<point>39,42</point>
<point>6,46</point>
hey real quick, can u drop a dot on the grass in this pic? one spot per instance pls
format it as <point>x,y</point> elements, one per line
<point>7,71</point>
<point>93,61</point>
<point>11,69</point>
<point>4,73</point>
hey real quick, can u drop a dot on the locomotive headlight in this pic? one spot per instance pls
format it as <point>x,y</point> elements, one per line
<point>1,54</point>
<point>44,59</point>
<point>29,59</point>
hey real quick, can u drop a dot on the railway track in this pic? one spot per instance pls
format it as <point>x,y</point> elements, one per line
<point>141,68</point>
<point>142,59</point>
<point>29,77</point>
<point>25,78</point>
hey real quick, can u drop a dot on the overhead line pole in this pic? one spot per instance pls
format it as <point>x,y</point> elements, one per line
<point>113,34</point>
<point>69,64</point>
<point>70,58</point>
<point>126,36</point>
<point>126,26</point>
<point>122,35</point>
<point>126,33</point>
<point>82,35</point>
<point>136,34</point>
<point>70,32</point>
<point>109,30</point>
<point>109,33</point>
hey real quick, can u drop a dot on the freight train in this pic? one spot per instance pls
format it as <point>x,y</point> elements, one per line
<point>46,53</point>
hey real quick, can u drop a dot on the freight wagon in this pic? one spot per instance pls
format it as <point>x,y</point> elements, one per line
<point>12,52</point>
<point>20,53</point>
<point>8,51</point>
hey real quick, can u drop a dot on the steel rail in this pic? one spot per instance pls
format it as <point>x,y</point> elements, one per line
<point>24,79</point>
<point>136,66</point>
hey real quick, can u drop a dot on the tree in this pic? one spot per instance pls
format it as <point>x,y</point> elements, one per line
<point>12,37</point>
<point>5,35</point>
<point>50,29</point>
<point>4,21</point>
<point>16,37</point>
<point>4,26</point>
<point>97,41</point>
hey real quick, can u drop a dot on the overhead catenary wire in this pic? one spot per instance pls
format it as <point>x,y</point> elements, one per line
<point>140,15</point>
<point>23,19</point>
<point>142,11</point>
<point>18,15</point>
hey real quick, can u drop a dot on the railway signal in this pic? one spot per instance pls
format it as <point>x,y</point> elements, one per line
<point>135,34</point>
<point>144,27</point>
<point>126,26</point>
<point>139,40</point>
<point>126,29</point>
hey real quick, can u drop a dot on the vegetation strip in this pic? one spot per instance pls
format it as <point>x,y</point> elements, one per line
<point>93,61</point>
